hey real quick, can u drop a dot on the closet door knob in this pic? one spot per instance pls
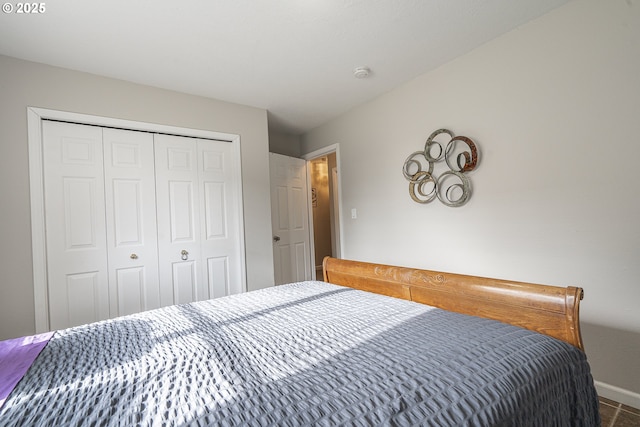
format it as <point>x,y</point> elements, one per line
<point>276,238</point>
<point>133,256</point>
<point>184,255</point>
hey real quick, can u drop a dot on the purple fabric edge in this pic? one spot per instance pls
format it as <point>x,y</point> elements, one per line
<point>16,357</point>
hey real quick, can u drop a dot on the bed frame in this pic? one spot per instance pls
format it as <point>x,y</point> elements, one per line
<point>550,310</point>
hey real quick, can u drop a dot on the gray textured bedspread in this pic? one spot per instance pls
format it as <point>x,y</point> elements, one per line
<point>304,354</point>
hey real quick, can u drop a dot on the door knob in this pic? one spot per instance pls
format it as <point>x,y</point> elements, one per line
<point>133,256</point>
<point>184,255</point>
<point>276,238</point>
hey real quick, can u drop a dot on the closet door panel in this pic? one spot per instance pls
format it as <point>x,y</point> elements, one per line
<point>215,207</point>
<point>79,196</point>
<point>130,288</point>
<point>76,248</point>
<point>221,235</point>
<point>218,276</point>
<point>184,282</point>
<point>182,214</point>
<point>177,194</point>
<point>84,299</point>
<point>131,221</point>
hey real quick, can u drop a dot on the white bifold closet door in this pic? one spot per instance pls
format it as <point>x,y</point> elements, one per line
<point>136,221</point>
<point>130,221</point>
<point>77,273</point>
<point>196,219</point>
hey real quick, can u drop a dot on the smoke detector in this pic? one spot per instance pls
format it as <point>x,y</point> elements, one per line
<point>361,72</point>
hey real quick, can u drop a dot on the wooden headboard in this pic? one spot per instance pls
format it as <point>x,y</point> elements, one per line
<point>550,310</point>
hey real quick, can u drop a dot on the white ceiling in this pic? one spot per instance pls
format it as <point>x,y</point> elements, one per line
<point>294,58</point>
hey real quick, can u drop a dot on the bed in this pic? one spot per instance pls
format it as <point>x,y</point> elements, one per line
<point>369,345</point>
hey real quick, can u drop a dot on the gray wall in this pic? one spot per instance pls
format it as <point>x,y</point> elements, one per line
<point>281,143</point>
<point>24,84</point>
<point>554,108</point>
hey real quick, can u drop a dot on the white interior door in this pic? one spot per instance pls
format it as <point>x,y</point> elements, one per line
<point>130,197</point>
<point>221,218</point>
<point>199,220</point>
<point>290,220</point>
<point>177,188</point>
<point>75,224</point>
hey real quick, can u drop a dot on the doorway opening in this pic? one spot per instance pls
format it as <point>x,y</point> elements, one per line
<point>324,182</point>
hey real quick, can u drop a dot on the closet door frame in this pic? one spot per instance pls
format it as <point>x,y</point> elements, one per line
<point>35,116</point>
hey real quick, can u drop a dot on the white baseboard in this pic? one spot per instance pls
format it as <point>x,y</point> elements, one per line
<point>618,394</point>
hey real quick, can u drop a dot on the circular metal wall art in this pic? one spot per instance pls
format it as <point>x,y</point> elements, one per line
<point>452,187</point>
